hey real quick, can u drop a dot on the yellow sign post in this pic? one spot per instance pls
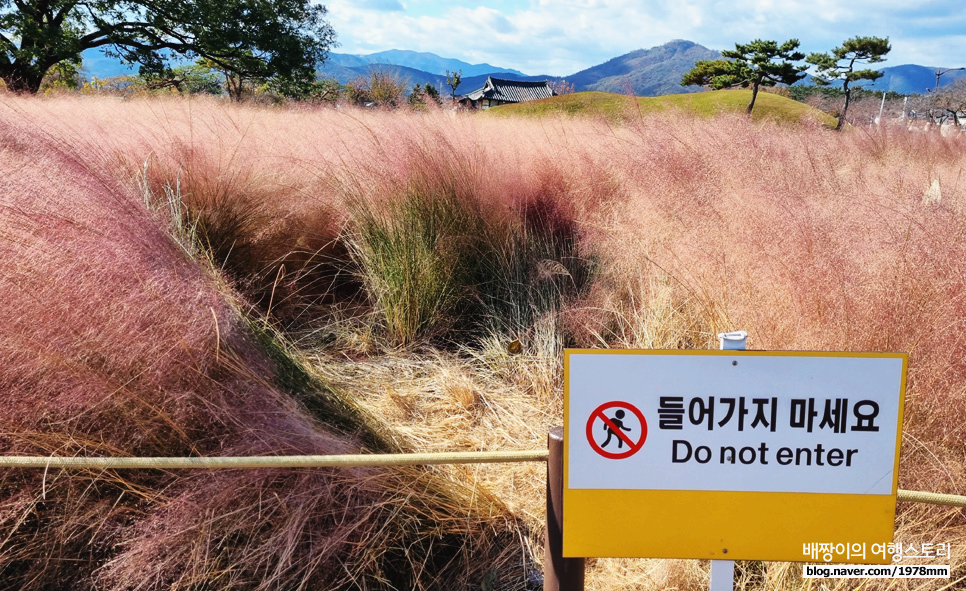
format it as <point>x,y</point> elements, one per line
<point>731,454</point>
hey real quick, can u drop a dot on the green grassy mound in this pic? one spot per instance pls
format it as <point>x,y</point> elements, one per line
<point>617,107</point>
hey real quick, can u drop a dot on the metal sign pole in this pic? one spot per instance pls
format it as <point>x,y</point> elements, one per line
<point>722,575</point>
<point>723,571</point>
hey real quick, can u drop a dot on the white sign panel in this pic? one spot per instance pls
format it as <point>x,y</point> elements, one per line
<point>734,421</point>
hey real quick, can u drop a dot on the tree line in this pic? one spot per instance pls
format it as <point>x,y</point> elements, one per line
<point>235,46</point>
<point>277,42</point>
<point>764,63</point>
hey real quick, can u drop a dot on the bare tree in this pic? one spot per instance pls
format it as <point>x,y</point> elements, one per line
<point>949,102</point>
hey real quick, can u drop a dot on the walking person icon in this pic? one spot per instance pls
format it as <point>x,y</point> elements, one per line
<point>617,421</point>
<point>627,424</point>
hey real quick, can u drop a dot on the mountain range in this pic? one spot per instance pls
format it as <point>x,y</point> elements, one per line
<point>645,72</point>
<point>649,72</point>
<point>423,61</point>
<point>913,79</point>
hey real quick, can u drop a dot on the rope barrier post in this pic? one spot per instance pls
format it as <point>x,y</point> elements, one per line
<point>559,573</point>
<point>723,571</point>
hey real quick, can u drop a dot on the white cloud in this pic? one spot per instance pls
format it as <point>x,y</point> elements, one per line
<point>561,37</point>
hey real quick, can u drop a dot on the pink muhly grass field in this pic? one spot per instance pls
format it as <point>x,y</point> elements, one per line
<point>808,239</point>
<point>116,342</point>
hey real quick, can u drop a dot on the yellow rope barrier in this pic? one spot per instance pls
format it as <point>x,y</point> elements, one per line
<point>345,461</point>
<point>918,496</point>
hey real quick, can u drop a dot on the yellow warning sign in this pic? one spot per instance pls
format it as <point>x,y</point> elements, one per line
<point>730,454</point>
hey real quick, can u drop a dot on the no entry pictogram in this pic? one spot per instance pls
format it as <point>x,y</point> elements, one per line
<point>610,416</point>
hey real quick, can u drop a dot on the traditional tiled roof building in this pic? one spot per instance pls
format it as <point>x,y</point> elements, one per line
<point>500,92</point>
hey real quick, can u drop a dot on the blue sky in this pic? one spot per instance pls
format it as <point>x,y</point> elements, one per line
<point>563,37</point>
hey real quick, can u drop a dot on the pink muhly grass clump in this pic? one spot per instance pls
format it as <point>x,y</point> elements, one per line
<point>116,342</point>
<point>812,241</point>
<point>258,189</point>
<point>809,240</point>
<point>461,243</point>
<point>266,188</point>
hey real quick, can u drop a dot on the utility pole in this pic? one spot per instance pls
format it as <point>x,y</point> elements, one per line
<point>941,72</point>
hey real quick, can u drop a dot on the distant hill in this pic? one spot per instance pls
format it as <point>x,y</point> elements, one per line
<point>425,61</point>
<point>403,65</point>
<point>408,77</point>
<point>904,79</point>
<point>98,65</point>
<point>650,72</point>
<point>912,79</point>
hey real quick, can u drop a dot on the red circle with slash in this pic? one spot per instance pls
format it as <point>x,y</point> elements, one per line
<point>632,446</point>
